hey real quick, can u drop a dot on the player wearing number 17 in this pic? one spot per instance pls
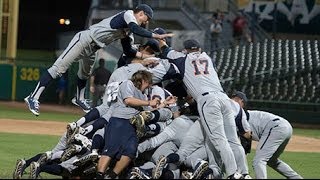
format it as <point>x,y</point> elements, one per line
<point>214,106</point>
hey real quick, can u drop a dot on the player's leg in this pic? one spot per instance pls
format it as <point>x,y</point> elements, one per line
<point>231,134</point>
<point>84,71</point>
<point>210,110</point>
<point>192,141</point>
<point>160,158</point>
<point>278,165</point>
<point>269,143</point>
<point>70,55</point>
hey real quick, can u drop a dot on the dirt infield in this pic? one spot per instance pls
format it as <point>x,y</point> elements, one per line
<point>296,144</point>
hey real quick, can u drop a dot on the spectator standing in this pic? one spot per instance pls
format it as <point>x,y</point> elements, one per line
<point>98,81</point>
<point>215,29</point>
<point>240,30</point>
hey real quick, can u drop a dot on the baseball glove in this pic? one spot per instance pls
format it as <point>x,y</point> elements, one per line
<point>140,119</point>
<point>246,144</point>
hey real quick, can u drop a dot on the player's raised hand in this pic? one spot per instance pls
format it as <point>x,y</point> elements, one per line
<point>162,36</point>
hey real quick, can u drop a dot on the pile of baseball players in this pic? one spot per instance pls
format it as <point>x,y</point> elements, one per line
<point>164,114</point>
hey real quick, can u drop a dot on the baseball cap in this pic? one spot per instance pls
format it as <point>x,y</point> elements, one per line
<point>154,44</point>
<point>159,30</point>
<point>191,44</point>
<point>146,9</point>
<point>241,95</point>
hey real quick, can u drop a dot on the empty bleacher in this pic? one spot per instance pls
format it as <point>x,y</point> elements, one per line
<point>272,70</point>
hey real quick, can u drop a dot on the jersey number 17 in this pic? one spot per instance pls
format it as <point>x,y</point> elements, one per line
<point>200,66</point>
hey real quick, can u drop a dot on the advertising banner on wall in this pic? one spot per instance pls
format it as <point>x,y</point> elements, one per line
<point>296,16</point>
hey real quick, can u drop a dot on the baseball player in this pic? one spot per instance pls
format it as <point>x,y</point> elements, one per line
<point>84,45</point>
<point>119,145</point>
<point>201,80</point>
<point>273,134</point>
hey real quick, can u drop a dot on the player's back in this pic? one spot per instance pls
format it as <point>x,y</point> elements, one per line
<point>259,120</point>
<point>112,28</point>
<point>200,76</point>
<point>125,72</point>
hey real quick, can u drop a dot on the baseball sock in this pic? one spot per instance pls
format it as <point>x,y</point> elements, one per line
<point>81,86</point>
<point>90,116</point>
<point>34,158</point>
<point>54,169</point>
<point>173,158</point>
<point>42,84</point>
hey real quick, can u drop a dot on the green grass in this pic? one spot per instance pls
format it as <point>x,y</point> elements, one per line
<point>305,164</point>
<point>16,146</point>
<point>16,113</point>
<point>315,133</point>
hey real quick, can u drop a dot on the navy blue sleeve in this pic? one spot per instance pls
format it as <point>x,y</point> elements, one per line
<point>135,29</point>
<point>127,48</point>
<point>165,50</point>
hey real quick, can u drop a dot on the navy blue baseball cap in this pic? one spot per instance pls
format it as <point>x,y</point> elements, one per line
<point>240,95</point>
<point>153,44</point>
<point>146,9</point>
<point>159,30</point>
<point>191,44</point>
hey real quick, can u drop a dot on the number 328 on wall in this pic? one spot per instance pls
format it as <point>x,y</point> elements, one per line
<point>30,74</point>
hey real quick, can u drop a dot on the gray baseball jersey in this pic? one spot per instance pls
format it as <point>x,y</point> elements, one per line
<point>126,90</point>
<point>273,134</point>
<point>202,82</point>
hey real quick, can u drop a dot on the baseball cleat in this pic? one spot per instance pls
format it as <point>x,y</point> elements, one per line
<point>90,170</point>
<point>34,170</point>
<point>70,128</point>
<point>84,104</point>
<point>33,105</point>
<point>157,171</point>
<point>186,175</point>
<point>235,176</point>
<point>77,130</point>
<point>200,168</point>
<point>246,176</point>
<point>68,153</point>
<point>83,160</point>
<point>20,167</point>
<point>139,174</point>
<point>86,142</point>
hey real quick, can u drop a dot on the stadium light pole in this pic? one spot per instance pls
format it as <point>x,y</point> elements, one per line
<point>12,30</point>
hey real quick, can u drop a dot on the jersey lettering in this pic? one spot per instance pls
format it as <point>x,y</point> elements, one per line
<point>202,62</point>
